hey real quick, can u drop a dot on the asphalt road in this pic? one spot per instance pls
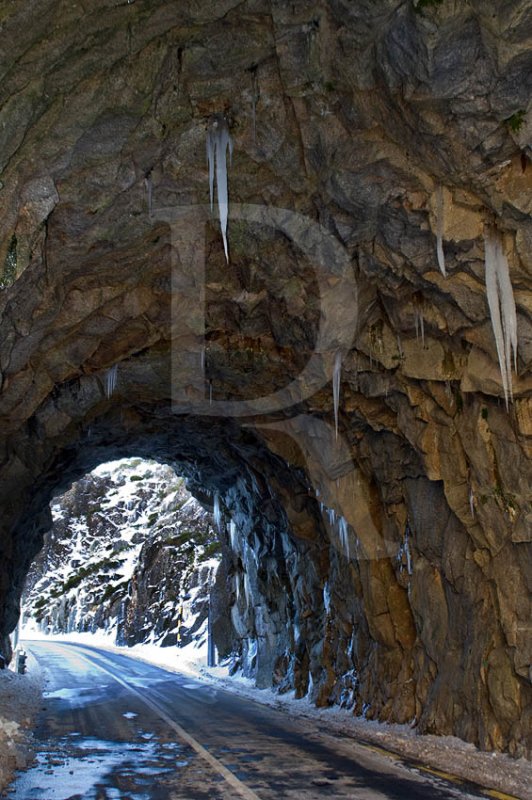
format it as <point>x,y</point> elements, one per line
<point>114,728</point>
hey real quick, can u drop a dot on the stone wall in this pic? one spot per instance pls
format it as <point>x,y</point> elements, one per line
<point>382,125</point>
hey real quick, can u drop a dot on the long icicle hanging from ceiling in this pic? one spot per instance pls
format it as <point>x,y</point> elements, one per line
<point>440,210</point>
<point>337,370</point>
<point>218,142</point>
<point>111,379</point>
<point>502,307</point>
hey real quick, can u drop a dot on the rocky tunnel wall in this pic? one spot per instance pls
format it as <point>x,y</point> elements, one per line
<point>388,566</point>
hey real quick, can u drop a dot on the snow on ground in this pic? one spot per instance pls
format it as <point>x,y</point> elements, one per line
<point>445,753</point>
<point>20,699</point>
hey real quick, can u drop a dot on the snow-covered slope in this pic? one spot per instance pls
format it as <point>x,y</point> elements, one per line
<point>130,553</point>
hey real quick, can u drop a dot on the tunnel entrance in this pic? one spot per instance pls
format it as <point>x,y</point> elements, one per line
<point>131,558</point>
<point>327,595</point>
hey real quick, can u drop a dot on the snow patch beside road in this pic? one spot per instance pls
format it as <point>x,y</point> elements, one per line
<point>446,753</point>
<point>20,700</point>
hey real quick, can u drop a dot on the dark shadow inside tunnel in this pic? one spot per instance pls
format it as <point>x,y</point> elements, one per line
<point>251,493</point>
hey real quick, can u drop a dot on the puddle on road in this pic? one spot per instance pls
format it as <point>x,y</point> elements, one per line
<point>76,698</point>
<point>96,769</point>
<point>145,682</point>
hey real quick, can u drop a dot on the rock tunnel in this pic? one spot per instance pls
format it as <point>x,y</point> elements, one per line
<point>336,383</point>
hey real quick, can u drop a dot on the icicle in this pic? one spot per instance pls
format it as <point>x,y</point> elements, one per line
<point>210,393</point>
<point>217,514</point>
<point>502,308</point>
<point>344,535</point>
<point>111,380</point>
<point>408,556</point>
<point>149,191</point>
<point>417,303</point>
<point>472,503</point>
<point>420,325</point>
<point>336,389</point>
<point>326,597</point>
<point>404,552</point>
<point>232,534</point>
<point>202,360</point>
<point>439,230</point>
<point>400,347</point>
<point>218,140</point>
<point>247,588</point>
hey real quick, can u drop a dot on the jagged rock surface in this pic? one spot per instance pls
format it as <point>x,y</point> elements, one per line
<point>351,115</point>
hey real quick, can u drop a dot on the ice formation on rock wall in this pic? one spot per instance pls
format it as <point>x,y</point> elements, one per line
<point>439,230</point>
<point>233,536</point>
<point>418,305</point>
<point>472,502</point>
<point>502,307</point>
<point>111,380</point>
<point>217,514</point>
<point>400,347</point>
<point>420,325</point>
<point>218,141</point>
<point>148,185</point>
<point>336,389</point>
<point>327,597</point>
<point>343,533</point>
<point>404,554</point>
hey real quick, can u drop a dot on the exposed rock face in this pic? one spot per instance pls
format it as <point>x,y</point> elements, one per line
<point>408,593</point>
<point>130,553</point>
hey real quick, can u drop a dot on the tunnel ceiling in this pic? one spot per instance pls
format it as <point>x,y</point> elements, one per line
<point>379,128</point>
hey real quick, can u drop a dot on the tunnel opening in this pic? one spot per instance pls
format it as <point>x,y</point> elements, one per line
<point>130,558</point>
<point>245,486</point>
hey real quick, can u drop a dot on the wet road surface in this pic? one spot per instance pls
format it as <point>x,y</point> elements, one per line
<point>113,728</point>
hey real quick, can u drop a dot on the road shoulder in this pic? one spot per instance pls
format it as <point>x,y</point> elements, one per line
<point>20,701</point>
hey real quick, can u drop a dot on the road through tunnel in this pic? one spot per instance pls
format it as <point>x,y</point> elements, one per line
<point>324,595</point>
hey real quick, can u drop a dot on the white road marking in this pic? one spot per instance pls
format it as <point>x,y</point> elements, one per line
<point>232,780</point>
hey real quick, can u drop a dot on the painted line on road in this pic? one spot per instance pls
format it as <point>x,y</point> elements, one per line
<point>381,751</point>
<point>500,795</point>
<point>448,776</point>
<point>230,777</point>
<point>439,773</point>
<point>413,763</point>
